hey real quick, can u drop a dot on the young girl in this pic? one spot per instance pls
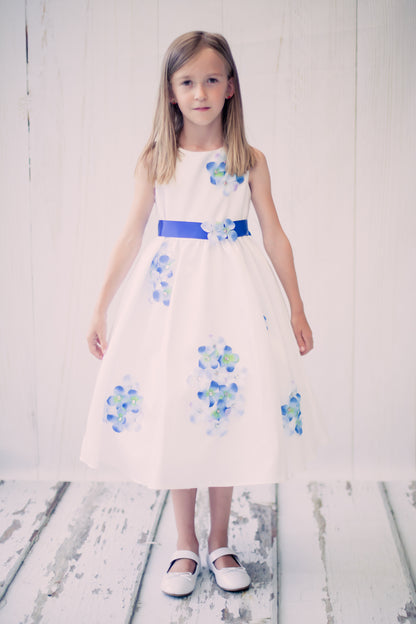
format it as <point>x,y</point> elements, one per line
<point>201,384</point>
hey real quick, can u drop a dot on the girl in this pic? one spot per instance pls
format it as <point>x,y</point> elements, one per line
<point>201,383</point>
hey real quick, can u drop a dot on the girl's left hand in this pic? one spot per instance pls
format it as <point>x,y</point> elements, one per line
<point>302,331</point>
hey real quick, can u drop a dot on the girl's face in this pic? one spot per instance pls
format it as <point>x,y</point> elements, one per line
<point>200,87</point>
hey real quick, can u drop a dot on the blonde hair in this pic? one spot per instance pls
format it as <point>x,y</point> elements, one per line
<point>161,151</point>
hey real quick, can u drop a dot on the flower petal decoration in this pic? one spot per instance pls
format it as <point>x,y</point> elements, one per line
<point>123,408</point>
<point>219,176</point>
<point>229,359</point>
<point>160,276</point>
<point>220,230</point>
<point>216,396</point>
<point>291,414</point>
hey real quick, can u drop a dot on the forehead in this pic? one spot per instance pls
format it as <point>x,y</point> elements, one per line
<point>206,61</point>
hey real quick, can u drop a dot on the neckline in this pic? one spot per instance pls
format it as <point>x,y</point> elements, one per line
<point>216,149</point>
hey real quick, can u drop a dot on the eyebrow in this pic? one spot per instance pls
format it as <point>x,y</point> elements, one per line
<point>187,76</point>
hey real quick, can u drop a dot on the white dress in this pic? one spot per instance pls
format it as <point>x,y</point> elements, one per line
<point>202,383</point>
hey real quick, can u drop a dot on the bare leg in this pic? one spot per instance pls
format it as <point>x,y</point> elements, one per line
<point>184,508</point>
<point>220,506</point>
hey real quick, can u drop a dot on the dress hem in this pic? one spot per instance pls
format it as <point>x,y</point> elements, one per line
<point>289,475</point>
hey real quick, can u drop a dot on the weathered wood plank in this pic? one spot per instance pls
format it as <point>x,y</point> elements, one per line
<point>303,595</point>
<point>252,534</point>
<point>401,503</point>
<point>25,510</point>
<point>88,564</point>
<point>365,580</point>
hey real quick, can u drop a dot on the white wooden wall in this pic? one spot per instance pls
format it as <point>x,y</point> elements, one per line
<point>329,91</point>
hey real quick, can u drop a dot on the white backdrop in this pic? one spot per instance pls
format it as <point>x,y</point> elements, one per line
<point>329,93</point>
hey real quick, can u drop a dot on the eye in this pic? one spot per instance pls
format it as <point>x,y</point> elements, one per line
<point>186,83</point>
<point>212,80</point>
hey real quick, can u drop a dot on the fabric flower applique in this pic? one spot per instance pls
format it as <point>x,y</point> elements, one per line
<point>160,276</point>
<point>216,387</point>
<point>123,408</point>
<point>220,177</point>
<point>292,422</point>
<point>221,230</point>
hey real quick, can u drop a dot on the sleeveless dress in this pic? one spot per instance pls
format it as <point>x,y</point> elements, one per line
<point>202,383</point>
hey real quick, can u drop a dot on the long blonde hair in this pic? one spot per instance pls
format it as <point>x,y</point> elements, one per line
<point>161,151</point>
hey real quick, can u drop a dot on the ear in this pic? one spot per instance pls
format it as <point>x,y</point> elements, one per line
<point>230,88</point>
<point>172,98</point>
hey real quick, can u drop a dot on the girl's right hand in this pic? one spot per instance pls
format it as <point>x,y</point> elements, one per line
<point>97,340</point>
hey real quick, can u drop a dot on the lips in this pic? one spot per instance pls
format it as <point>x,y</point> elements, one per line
<point>201,108</point>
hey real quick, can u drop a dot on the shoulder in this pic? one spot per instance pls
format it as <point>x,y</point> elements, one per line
<point>259,156</point>
<point>143,186</point>
<point>261,196</point>
<point>143,173</point>
<point>259,173</point>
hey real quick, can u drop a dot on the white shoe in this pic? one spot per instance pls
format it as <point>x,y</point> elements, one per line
<point>230,579</point>
<point>181,583</point>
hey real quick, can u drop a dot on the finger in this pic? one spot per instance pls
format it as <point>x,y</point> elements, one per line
<point>300,341</point>
<point>308,341</point>
<point>94,346</point>
<point>103,344</point>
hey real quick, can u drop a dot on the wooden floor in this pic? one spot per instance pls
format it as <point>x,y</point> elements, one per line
<point>321,553</point>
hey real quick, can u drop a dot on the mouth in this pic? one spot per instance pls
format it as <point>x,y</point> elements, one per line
<point>201,108</point>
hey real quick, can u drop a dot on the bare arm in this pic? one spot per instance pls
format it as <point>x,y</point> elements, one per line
<point>122,258</point>
<point>279,250</point>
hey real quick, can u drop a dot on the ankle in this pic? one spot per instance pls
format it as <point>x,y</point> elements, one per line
<point>217,542</point>
<point>188,543</point>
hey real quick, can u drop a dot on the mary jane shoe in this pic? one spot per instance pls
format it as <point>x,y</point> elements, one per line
<point>230,579</point>
<point>181,583</point>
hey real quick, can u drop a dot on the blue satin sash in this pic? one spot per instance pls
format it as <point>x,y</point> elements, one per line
<point>193,229</point>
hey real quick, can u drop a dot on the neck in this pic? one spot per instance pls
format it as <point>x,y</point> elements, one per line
<point>197,138</point>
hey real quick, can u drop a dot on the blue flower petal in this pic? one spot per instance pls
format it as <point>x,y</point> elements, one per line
<point>291,413</point>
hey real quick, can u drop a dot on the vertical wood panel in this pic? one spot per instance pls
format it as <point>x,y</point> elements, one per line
<point>315,139</point>
<point>89,69</point>
<point>181,16</point>
<point>60,154</point>
<point>92,77</point>
<point>385,343</point>
<point>298,73</point>
<point>18,436</point>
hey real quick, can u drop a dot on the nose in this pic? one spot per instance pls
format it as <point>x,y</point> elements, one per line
<point>199,93</point>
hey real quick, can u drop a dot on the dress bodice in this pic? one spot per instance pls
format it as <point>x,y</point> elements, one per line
<point>202,190</point>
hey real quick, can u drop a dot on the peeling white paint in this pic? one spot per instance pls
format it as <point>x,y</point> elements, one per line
<point>321,523</point>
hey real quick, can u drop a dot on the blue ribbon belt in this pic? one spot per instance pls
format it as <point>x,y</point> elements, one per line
<point>194,229</point>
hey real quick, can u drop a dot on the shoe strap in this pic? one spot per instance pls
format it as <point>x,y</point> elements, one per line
<point>220,552</point>
<point>185,554</point>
